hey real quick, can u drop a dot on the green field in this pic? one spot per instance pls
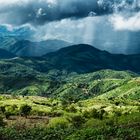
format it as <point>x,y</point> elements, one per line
<point>49,119</point>
<point>102,105</point>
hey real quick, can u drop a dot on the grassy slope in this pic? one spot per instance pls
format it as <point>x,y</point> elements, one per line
<point>130,90</point>
<point>50,119</point>
<point>23,80</point>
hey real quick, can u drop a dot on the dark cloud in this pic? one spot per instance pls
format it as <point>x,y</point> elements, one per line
<point>38,12</point>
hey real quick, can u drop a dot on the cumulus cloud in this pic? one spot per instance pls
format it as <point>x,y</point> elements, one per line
<point>126,14</point>
<point>131,23</point>
<point>77,31</point>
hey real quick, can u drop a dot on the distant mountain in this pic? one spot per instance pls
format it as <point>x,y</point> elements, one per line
<point>5,54</point>
<point>7,41</point>
<point>80,58</point>
<point>26,48</point>
<point>77,58</point>
<point>85,58</point>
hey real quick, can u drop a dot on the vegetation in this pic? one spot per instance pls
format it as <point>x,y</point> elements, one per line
<point>25,110</point>
<point>50,119</point>
<point>41,102</point>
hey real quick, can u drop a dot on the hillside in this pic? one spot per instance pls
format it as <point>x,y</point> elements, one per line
<point>76,72</point>
<point>22,80</point>
<point>5,54</point>
<point>34,118</point>
<point>84,58</point>
<point>129,90</point>
<point>79,69</point>
<point>26,48</point>
<point>6,42</point>
<point>105,82</point>
<point>80,59</point>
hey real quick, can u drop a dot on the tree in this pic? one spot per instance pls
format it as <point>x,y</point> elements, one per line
<point>1,122</point>
<point>25,110</point>
<point>2,109</point>
<point>5,112</point>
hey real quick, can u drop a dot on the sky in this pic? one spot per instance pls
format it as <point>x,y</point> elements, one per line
<point>111,25</point>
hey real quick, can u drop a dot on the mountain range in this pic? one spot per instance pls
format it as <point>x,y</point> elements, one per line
<point>76,72</point>
<point>26,48</point>
<point>85,58</point>
<point>80,58</point>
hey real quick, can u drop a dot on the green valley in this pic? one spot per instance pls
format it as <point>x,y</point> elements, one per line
<point>99,105</point>
<point>63,97</point>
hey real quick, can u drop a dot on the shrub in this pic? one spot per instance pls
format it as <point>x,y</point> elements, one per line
<point>25,110</point>
<point>1,122</point>
<point>118,113</point>
<point>58,122</point>
<point>101,114</point>
<point>2,109</point>
<point>94,113</point>
<point>7,114</point>
<point>76,119</point>
<point>71,108</point>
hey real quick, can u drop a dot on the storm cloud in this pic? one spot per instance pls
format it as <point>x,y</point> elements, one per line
<point>38,12</point>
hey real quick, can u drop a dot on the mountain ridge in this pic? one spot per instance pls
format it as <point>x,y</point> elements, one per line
<point>27,48</point>
<point>6,55</point>
<point>86,56</point>
<point>80,58</point>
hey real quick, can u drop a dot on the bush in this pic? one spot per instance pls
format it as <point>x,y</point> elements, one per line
<point>1,122</point>
<point>94,113</point>
<point>7,114</point>
<point>59,122</point>
<point>76,119</point>
<point>101,114</point>
<point>71,108</point>
<point>25,110</point>
<point>2,109</point>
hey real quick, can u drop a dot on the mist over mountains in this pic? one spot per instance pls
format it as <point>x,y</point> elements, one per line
<point>26,48</point>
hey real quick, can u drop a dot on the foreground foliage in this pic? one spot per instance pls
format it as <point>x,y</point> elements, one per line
<point>50,119</point>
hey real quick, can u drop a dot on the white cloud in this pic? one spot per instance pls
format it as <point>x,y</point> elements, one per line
<point>79,31</point>
<point>120,22</point>
<point>40,12</point>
